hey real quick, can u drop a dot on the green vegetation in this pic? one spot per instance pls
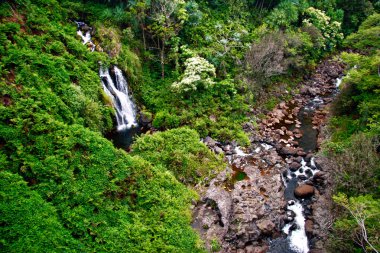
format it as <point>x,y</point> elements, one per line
<point>355,143</point>
<point>195,68</point>
<point>180,151</point>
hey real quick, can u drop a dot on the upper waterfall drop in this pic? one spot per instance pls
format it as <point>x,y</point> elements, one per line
<point>118,92</point>
<point>86,37</point>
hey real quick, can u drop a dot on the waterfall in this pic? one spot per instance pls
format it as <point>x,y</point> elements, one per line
<point>118,92</point>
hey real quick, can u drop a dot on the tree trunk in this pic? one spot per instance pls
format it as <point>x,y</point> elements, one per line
<point>143,34</point>
<point>162,60</point>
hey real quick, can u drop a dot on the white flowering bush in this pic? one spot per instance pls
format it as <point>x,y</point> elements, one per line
<point>198,73</point>
<point>331,31</point>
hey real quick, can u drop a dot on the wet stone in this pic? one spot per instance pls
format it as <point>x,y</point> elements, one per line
<point>304,191</point>
<point>302,177</point>
<point>294,166</point>
<point>308,172</point>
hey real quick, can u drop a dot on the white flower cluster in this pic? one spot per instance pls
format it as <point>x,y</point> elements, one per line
<point>330,31</point>
<point>198,72</point>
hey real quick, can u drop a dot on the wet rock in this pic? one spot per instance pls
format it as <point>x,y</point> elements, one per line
<point>227,148</point>
<point>289,191</point>
<point>304,191</point>
<point>320,175</point>
<point>308,157</point>
<point>309,227</point>
<point>317,251</point>
<point>301,153</point>
<point>288,151</point>
<point>294,166</point>
<point>302,177</point>
<point>308,172</point>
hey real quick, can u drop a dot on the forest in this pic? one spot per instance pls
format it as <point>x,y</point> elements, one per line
<point>201,73</point>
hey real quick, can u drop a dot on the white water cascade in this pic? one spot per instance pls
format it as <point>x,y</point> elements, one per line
<point>118,92</point>
<point>86,38</point>
<point>298,239</point>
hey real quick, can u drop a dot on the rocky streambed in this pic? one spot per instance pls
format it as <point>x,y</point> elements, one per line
<point>274,196</point>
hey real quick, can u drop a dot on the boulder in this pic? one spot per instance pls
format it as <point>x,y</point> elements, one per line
<point>304,191</point>
<point>209,141</point>
<point>309,227</point>
<point>288,151</point>
<point>266,226</point>
<point>218,150</point>
<point>294,166</point>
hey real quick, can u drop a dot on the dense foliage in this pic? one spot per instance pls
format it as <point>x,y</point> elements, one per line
<point>356,143</point>
<point>198,64</point>
<point>180,151</point>
<point>63,186</point>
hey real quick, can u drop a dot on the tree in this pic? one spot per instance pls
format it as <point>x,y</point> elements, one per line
<point>363,220</point>
<point>139,8</point>
<point>266,58</point>
<point>198,74</point>
<point>329,29</point>
<point>168,17</point>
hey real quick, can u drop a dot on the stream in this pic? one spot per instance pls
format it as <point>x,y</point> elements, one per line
<point>272,197</point>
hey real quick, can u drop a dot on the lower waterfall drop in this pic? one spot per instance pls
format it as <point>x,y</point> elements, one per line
<point>118,92</point>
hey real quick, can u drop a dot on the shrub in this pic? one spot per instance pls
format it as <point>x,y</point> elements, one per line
<point>358,166</point>
<point>165,120</point>
<point>198,75</point>
<point>180,151</point>
<point>367,38</point>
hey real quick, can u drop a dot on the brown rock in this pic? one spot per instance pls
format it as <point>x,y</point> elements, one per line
<point>282,105</point>
<point>266,226</point>
<point>304,191</point>
<point>301,153</point>
<point>294,166</point>
<point>257,249</point>
<point>309,227</point>
<point>288,151</point>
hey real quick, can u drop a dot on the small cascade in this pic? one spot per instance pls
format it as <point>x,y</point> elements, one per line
<point>338,81</point>
<point>118,91</point>
<point>297,239</point>
<point>84,31</point>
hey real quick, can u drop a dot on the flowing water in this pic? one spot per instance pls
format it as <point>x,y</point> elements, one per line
<point>117,90</point>
<point>115,86</point>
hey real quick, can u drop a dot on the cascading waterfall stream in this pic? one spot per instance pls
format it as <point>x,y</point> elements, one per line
<point>116,89</point>
<point>118,92</point>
